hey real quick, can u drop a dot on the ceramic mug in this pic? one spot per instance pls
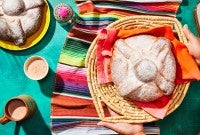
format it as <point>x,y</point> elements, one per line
<point>36,67</point>
<point>18,109</point>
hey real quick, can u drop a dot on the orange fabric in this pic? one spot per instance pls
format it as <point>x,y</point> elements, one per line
<point>86,8</point>
<point>185,62</point>
<point>188,65</point>
<point>164,31</point>
<point>187,69</point>
<point>68,106</point>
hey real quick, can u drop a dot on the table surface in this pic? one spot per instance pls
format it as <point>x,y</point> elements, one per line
<point>13,81</point>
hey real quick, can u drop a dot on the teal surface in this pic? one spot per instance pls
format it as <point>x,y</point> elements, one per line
<point>185,120</point>
<point>13,81</point>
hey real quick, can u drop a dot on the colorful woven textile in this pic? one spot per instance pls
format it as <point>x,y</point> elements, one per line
<point>72,106</point>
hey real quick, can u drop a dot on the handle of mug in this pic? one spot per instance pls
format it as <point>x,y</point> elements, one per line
<point>4,119</point>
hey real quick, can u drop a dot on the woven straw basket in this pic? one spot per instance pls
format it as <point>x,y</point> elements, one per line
<point>108,93</point>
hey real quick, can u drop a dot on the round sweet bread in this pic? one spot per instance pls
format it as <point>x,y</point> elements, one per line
<point>15,8</point>
<point>143,67</point>
<point>19,19</point>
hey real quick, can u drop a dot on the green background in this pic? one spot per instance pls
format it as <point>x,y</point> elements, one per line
<point>13,82</point>
<point>185,120</point>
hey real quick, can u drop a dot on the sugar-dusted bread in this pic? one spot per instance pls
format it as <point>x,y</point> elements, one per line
<point>20,19</point>
<point>143,67</point>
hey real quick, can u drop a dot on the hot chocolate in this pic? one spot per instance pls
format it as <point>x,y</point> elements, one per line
<point>36,68</point>
<point>17,109</point>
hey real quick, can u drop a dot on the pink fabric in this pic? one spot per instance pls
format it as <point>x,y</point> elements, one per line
<point>157,108</point>
<point>105,42</point>
<point>157,112</point>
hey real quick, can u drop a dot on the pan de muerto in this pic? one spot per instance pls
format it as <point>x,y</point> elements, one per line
<point>20,19</point>
<point>143,67</point>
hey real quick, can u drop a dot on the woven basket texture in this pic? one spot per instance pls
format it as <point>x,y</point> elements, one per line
<point>108,93</point>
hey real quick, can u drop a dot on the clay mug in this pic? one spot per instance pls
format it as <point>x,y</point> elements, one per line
<point>36,67</point>
<point>18,109</point>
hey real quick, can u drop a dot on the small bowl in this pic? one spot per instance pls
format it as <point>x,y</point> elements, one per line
<point>36,67</point>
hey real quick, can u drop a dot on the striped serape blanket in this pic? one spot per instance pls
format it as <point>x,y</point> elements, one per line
<point>72,109</point>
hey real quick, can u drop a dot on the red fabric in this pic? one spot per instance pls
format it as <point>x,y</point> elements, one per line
<point>76,33</point>
<point>105,42</point>
<point>68,106</point>
<point>159,103</point>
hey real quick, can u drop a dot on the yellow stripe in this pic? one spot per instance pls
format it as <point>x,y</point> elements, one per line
<point>72,61</point>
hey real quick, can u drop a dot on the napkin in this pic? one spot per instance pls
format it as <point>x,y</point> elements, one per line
<point>187,68</point>
<point>104,53</point>
<point>185,62</point>
<point>157,108</point>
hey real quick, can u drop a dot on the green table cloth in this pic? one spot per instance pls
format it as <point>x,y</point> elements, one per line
<point>13,81</point>
<point>185,120</point>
